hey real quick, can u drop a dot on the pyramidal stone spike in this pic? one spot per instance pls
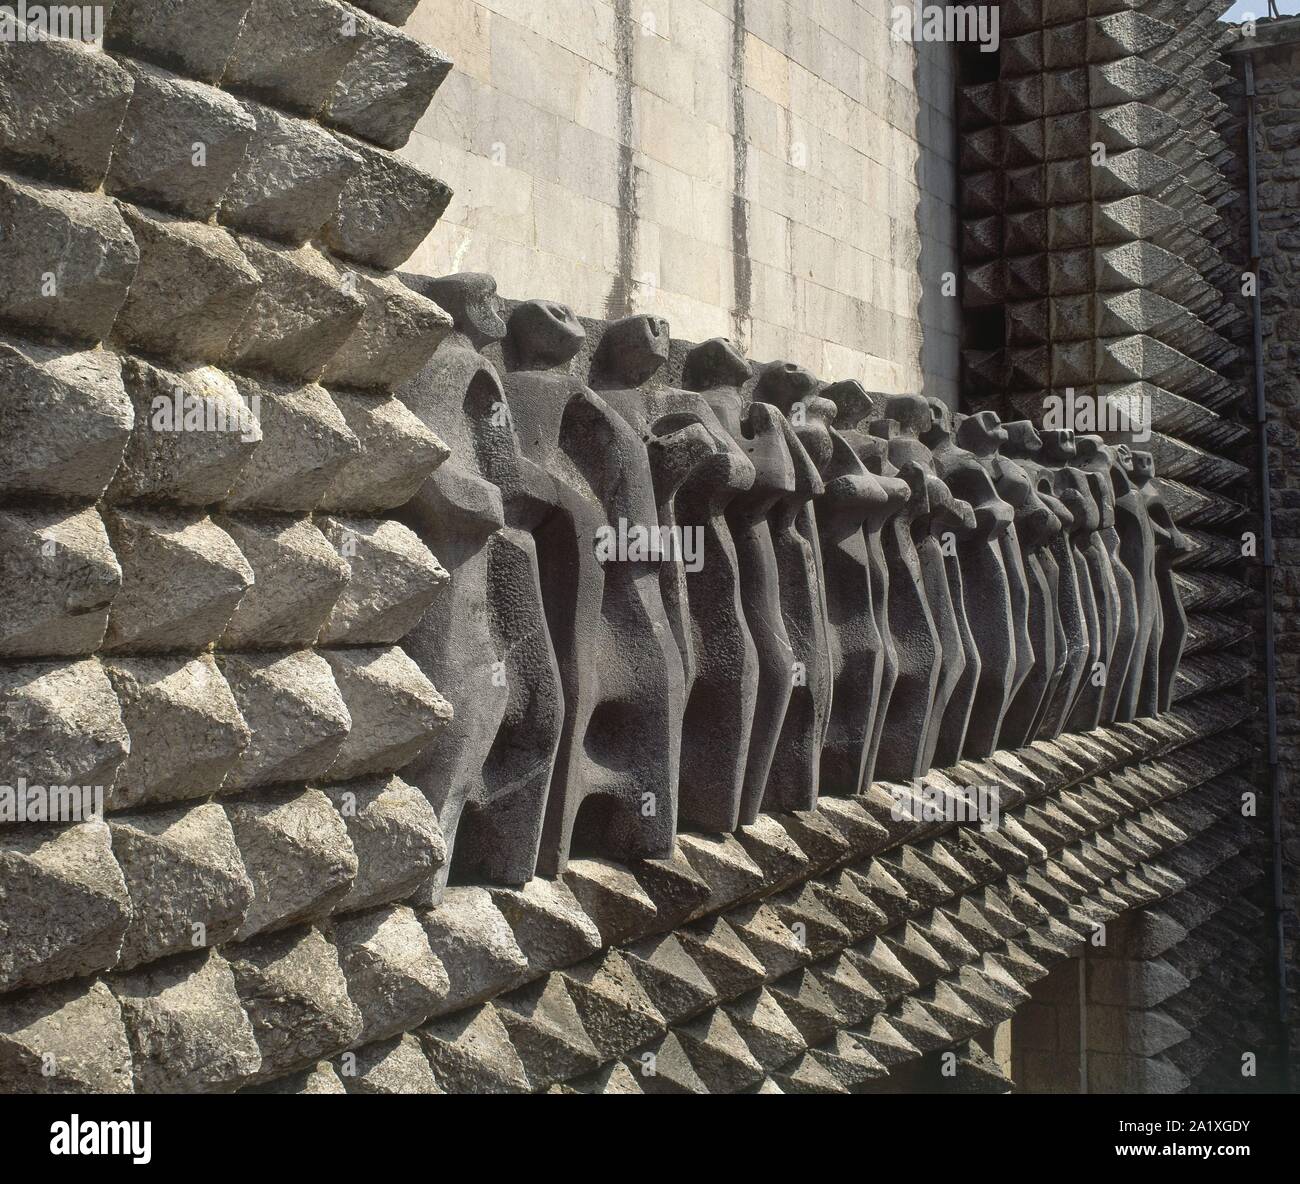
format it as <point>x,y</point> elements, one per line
<point>398,453</point>
<point>64,420</point>
<point>64,906</point>
<point>807,1075</point>
<point>665,1068</point>
<point>807,1004</point>
<point>395,1066</point>
<point>385,211</point>
<point>847,1059</point>
<point>856,913</point>
<point>855,823</point>
<point>769,938</point>
<point>678,892</point>
<point>471,1053</point>
<point>993,1002</point>
<point>393,578</point>
<point>395,834</point>
<point>547,1032</point>
<point>912,949</point>
<point>876,883</point>
<point>182,578</point>
<point>294,711</point>
<point>191,851</point>
<point>956,1015</point>
<point>727,961</point>
<point>191,290</point>
<point>95,254</point>
<point>818,929</point>
<point>948,939</point>
<point>817,837</point>
<point>386,86</point>
<point>610,895</point>
<point>724,865</point>
<point>1126,80</point>
<point>920,1025</point>
<point>392,974</point>
<point>719,1053</point>
<point>396,712</point>
<point>476,945</point>
<point>776,851</point>
<point>58,577</point>
<point>172,124</point>
<point>74,1029</point>
<point>296,997</point>
<point>296,851</point>
<point>395,12</point>
<point>615,1011</point>
<point>397,334</point>
<point>71,141</point>
<point>767,1030</point>
<point>298,577</point>
<point>60,723</point>
<point>1132,125</point>
<point>186,1026</point>
<point>885,1041</point>
<point>548,923</point>
<point>1125,34</point>
<point>194,435</point>
<point>305,444</point>
<point>288,184</point>
<point>923,886</point>
<point>977,1072</point>
<point>1139,264</point>
<point>610,1079</point>
<point>672,981</point>
<point>854,997</point>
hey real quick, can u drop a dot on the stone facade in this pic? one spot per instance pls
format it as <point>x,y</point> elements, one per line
<point>423,772</point>
<point>766,170</point>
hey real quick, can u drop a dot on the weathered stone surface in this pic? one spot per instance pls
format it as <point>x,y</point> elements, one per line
<point>191,290</point>
<point>61,105</point>
<point>298,578</point>
<point>301,317</point>
<point>386,86</point>
<point>182,577</point>
<point>395,337</point>
<point>396,712</point>
<point>471,1053</point>
<point>58,576</point>
<point>305,443</point>
<point>319,1079</point>
<point>398,452</point>
<point>187,1030</point>
<point>63,903</point>
<point>195,37</point>
<point>296,851</point>
<point>392,974</point>
<point>64,420</point>
<point>386,210</point>
<point>68,258</point>
<point>294,712</point>
<point>394,832</point>
<point>394,578</point>
<point>60,724</point>
<point>395,12</point>
<point>396,1066</point>
<point>296,997</point>
<point>75,1030</point>
<point>194,435</point>
<point>475,944</point>
<point>182,144</point>
<point>292,52</point>
<point>187,884</point>
<point>289,182</point>
<point>185,729</point>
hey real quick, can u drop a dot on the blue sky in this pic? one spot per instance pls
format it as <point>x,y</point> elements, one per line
<point>1242,8</point>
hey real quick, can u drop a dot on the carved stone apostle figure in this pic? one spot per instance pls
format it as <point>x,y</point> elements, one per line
<point>793,778</point>
<point>615,787</point>
<point>1158,678</point>
<point>719,372</point>
<point>484,641</point>
<point>1138,551</point>
<point>698,470</point>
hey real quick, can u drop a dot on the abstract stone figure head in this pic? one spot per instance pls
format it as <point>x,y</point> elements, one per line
<point>783,384</point>
<point>715,363</point>
<point>911,413</point>
<point>853,404</point>
<point>1058,445</point>
<point>470,298</point>
<point>982,433</point>
<point>1144,467</point>
<point>544,335</point>
<point>633,349</point>
<point>942,427</point>
<point>1023,440</point>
